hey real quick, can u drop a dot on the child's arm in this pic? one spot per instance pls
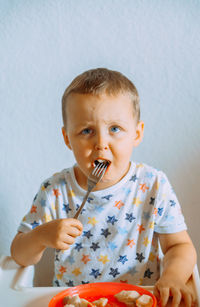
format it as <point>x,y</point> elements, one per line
<point>27,248</point>
<point>179,260</point>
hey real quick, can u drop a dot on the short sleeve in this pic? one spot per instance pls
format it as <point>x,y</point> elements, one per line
<point>41,211</point>
<point>169,217</point>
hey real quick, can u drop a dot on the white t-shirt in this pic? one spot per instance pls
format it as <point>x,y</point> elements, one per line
<point>120,226</point>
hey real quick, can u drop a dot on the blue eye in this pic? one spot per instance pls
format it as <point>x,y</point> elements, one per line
<point>86,131</point>
<point>115,129</point>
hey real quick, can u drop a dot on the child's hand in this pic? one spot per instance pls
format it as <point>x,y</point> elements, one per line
<point>60,233</point>
<point>175,288</point>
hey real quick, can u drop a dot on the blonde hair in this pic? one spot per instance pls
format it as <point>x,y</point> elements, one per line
<point>98,81</point>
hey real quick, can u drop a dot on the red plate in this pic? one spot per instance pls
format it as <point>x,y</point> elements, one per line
<point>94,291</point>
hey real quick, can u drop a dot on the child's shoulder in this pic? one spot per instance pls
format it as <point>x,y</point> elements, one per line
<point>145,171</point>
<point>56,180</point>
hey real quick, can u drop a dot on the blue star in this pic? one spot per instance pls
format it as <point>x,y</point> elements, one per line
<point>114,272</point>
<point>70,259</point>
<point>130,217</point>
<point>94,246</point>
<point>57,283</point>
<point>66,208</point>
<point>89,199</point>
<point>172,203</point>
<point>122,259</point>
<point>95,273</point>
<point>139,257</point>
<point>34,224</point>
<point>163,180</point>
<point>148,273</point>
<point>112,245</point>
<point>70,283</point>
<point>98,209</point>
<point>46,184</point>
<point>127,190</point>
<point>87,234</point>
<point>43,202</point>
<point>107,197</point>
<point>112,219</point>
<point>152,200</point>
<point>105,232</point>
<point>170,218</point>
<point>160,211</point>
<point>134,178</point>
<point>78,246</point>
<point>149,175</point>
<point>122,231</point>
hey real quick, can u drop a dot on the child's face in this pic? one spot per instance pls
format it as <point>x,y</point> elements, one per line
<point>101,127</point>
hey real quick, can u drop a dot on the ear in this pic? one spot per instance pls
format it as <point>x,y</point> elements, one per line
<point>139,133</point>
<point>66,138</point>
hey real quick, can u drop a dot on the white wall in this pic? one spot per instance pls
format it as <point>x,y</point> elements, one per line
<point>45,44</point>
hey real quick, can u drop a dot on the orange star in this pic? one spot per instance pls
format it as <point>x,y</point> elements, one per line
<point>119,204</point>
<point>85,258</point>
<point>140,228</point>
<point>62,269</point>
<point>131,243</point>
<point>56,192</point>
<point>144,187</point>
<point>155,211</point>
<point>33,209</point>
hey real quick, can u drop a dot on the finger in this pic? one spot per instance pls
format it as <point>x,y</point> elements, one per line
<point>176,294</point>
<point>164,295</point>
<point>187,296</point>
<point>68,239</point>
<point>74,232</point>
<point>75,223</point>
<point>157,294</point>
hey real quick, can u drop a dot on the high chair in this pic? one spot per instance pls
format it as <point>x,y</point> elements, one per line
<point>31,286</point>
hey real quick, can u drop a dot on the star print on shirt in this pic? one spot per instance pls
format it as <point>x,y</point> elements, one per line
<point>95,246</point>
<point>112,245</point>
<point>85,259</point>
<point>89,199</point>
<point>130,217</point>
<point>95,273</point>
<point>122,231</point>
<point>152,200</point>
<point>144,187</point>
<point>70,283</point>
<point>43,202</point>
<point>107,197</point>
<point>33,209</point>
<point>57,283</point>
<point>134,178</point>
<point>105,232</point>
<point>112,220</point>
<point>92,221</point>
<point>71,260</point>
<point>78,206</point>
<point>139,257</point>
<point>87,234</point>
<point>78,246</point>
<point>46,184</point>
<point>34,224</point>
<point>122,259</point>
<point>172,203</point>
<point>114,272</point>
<point>66,208</point>
<point>149,175</point>
<point>103,259</point>
<point>84,282</point>
<point>160,211</point>
<point>56,192</point>
<point>148,273</point>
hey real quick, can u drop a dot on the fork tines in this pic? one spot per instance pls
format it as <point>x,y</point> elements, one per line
<point>99,168</point>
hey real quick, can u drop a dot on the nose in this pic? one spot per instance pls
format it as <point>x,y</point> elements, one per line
<point>101,142</point>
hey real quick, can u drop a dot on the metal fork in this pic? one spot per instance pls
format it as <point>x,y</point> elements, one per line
<point>93,179</point>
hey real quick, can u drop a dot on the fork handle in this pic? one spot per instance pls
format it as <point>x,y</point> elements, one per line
<point>82,205</point>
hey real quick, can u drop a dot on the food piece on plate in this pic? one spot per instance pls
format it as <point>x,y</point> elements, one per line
<point>76,301</point>
<point>127,297</point>
<point>100,302</point>
<point>144,301</point>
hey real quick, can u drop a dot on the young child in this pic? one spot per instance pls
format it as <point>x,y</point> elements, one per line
<point>130,211</point>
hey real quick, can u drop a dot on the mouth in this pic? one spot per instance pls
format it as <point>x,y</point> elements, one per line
<point>100,161</point>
